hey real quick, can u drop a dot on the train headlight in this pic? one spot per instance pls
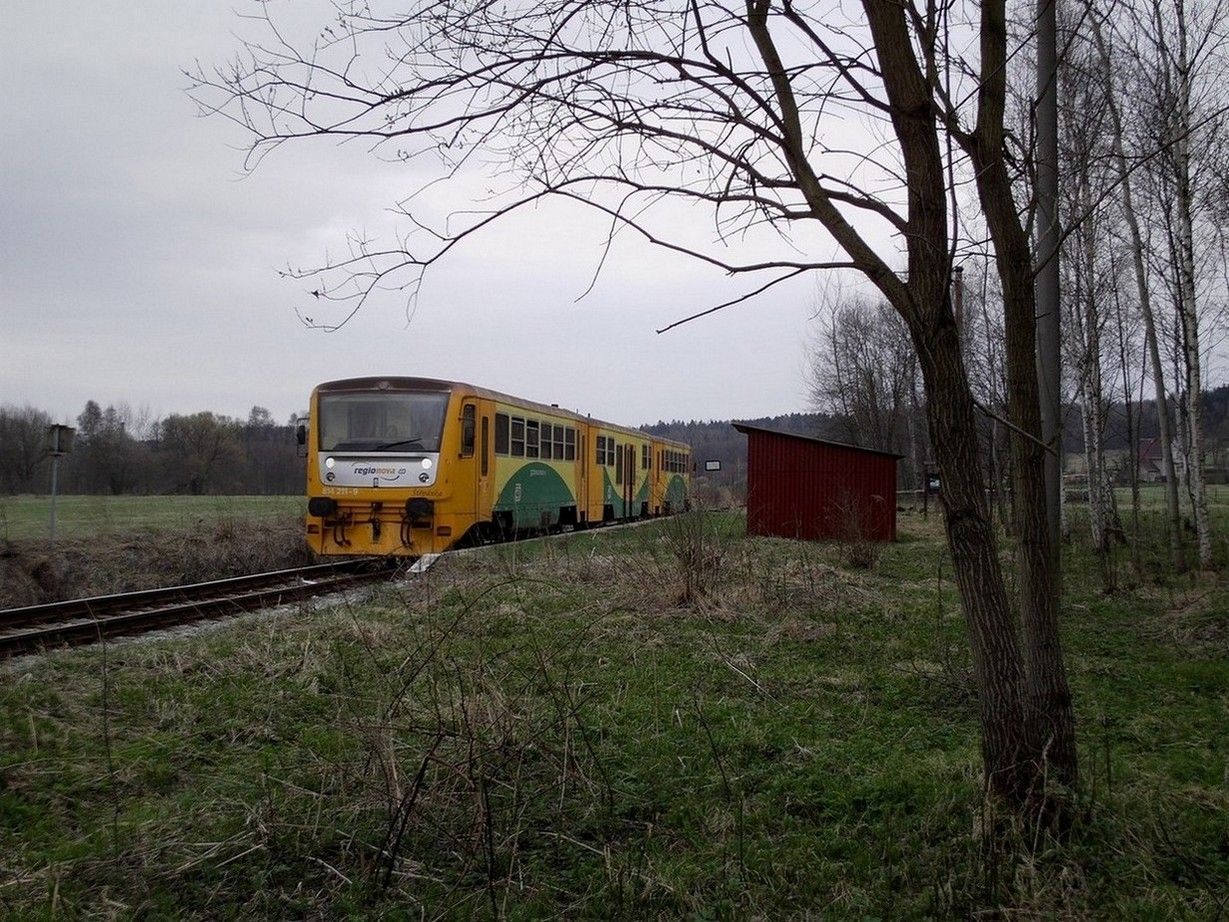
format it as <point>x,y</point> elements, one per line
<point>330,463</point>
<point>426,464</point>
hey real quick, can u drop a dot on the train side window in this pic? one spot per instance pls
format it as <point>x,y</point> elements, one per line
<point>532,435</point>
<point>559,444</point>
<point>600,442</point>
<point>501,433</point>
<point>569,444</point>
<point>468,421</point>
<point>644,457</point>
<point>547,432</point>
<point>518,437</point>
<point>618,465</point>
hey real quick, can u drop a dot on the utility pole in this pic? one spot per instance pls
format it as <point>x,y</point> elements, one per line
<point>1049,328</point>
<point>59,443</point>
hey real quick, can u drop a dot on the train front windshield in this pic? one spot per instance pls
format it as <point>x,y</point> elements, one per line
<point>390,421</point>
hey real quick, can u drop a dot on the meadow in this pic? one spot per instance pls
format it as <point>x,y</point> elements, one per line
<point>27,517</point>
<point>666,720</point>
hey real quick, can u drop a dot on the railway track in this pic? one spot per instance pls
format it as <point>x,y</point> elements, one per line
<point>78,621</point>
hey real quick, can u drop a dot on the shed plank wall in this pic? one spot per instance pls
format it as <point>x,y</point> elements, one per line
<point>800,489</point>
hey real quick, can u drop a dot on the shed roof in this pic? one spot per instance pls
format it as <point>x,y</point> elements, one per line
<point>747,428</point>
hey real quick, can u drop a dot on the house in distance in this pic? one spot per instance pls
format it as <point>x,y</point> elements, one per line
<point>808,488</point>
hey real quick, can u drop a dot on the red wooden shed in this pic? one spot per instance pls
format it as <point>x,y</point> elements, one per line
<point>803,487</point>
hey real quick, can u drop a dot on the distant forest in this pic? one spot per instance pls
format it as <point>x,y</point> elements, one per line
<point>118,450</point>
<point>719,440</point>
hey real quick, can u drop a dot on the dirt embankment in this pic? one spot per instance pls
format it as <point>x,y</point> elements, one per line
<point>32,572</point>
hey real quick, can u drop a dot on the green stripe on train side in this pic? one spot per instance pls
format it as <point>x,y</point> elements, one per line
<point>534,489</point>
<point>676,492</point>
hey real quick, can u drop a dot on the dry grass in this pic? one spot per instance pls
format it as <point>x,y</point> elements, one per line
<point>32,573</point>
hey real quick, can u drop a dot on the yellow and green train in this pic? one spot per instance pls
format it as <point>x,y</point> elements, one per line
<point>412,466</point>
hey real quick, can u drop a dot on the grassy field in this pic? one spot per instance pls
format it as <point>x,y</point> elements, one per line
<point>26,517</point>
<point>660,721</point>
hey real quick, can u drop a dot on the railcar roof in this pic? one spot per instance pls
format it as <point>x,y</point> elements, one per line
<point>437,384</point>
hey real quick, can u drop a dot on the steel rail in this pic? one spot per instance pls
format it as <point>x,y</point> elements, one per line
<point>79,621</point>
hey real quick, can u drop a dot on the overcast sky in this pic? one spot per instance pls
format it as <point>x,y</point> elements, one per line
<point>138,263</point>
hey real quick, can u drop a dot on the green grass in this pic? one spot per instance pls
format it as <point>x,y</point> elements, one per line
<point>660,721</point>
<point>27,517</point>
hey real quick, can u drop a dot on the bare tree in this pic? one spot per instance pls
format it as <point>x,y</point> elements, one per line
<point>1089,282</point>
<point>634,108</point>
<point>23,439</point>
<point>201,452</point>
<point>1117,137</point>
<point>1184,67</point>
<point>864,371</point>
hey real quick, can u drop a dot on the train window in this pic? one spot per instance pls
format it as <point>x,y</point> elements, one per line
<point>518,437</point>
<point>531,438</point>
<point>501,433</point>
<point>468,423</point>
<point>601,449</point>
<point>547,432</point>
<point>644,457</point>
<point>559,453</point>
<point>569,444</point>
<point>618,465</point>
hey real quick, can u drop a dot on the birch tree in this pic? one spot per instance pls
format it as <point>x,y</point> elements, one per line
<point>1184,68</point>
<point>1113,111</point>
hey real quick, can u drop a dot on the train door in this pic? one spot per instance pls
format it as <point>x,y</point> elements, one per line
<point>486,472</point>
<point>582,477</point>
<point>476,442</point>
<point>618,477</point>
<point>629,478</point>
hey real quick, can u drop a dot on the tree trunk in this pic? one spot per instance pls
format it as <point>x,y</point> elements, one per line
<point>1086,315</point>
<point>1186,301</point>
<point>1048,695</point>
<point>993,630</point>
